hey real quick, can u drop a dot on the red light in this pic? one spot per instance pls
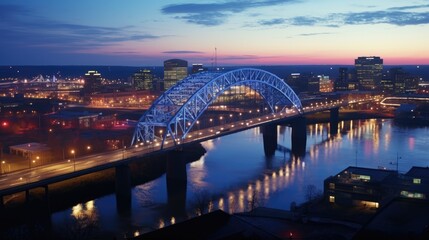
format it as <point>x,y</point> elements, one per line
<point>5,124</point>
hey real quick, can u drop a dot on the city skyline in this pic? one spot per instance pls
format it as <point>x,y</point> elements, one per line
<point>255,32</point>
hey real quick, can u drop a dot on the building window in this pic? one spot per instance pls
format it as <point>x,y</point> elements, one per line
<point>370,204</point>
<point>364,178</point>
<point>332,199</point>
<point>412,195</point>
<point>417,180</point>
<point>331,185</point>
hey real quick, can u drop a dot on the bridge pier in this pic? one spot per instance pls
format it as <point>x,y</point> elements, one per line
<point>333,121</point>
<point>123,189</point>
<point>269,135</point>
<point>176,178</point>
<point>299,136</point>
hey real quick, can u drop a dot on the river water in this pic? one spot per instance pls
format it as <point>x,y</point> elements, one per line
<point>235,175</point>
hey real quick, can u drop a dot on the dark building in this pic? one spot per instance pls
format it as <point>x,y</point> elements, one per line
<point>343,80</point>
<point>92,82</point>
<point>143,80</point>
<point>387,83</point>
<point>357,186</point>
<point>314,84</point>
<point>174,71</point>
<point>369,72</point>
<point>299,82</point>
<point>403,82</point>
<point>196,68</point>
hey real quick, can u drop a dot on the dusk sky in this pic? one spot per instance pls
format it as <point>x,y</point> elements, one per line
<point>253,32</point>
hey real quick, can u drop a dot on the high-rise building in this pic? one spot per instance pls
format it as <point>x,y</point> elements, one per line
<point>403,82</point>
<point>174,71</point>
<point>314,84</point>
<point>196,68</point>
<point>325,84</point>
<point>93,82</point>
<point>369,72</point>
<point>343,80</point>
<point>143,80</point>
<point>299,82</point>
<point>386,83</point>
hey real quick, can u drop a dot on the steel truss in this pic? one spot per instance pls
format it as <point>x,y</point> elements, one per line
<point>176,111</point>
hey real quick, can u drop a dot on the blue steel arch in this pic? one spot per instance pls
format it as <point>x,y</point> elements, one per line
<point>178,108</point>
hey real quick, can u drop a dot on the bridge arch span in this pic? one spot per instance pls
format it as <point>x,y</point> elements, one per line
<point>177,109</point>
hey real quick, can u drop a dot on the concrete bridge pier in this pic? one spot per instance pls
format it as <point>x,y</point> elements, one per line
<point>333,121</point>
<point>176,178</point>
<point>123,189</point>
<point>269,135</point>
<point>299,136</point>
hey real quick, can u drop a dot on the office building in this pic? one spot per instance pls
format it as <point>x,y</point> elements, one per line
<point>174,71</point>
<point>93,82</point>
<point>325,84</point>
<point>403,82</point>
<point>369,72</point>
<point>196,68</point>
<point>343,80</point>
<point>143,80</point>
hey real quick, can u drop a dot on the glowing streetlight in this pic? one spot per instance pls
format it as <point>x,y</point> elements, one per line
<point>74,159</point>
<point>2,166</point>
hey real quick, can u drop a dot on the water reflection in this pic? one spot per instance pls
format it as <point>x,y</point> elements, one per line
<point>234,175</point>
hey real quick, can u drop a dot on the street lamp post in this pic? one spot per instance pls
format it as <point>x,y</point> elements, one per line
<point>396,163</point>
<point>74,159</point>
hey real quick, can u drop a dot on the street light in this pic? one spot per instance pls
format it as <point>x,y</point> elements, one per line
<point>2,166</point>
<point>397,163</point>
<point>74,159</point>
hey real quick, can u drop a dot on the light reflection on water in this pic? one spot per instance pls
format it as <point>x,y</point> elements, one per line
<point>236,176</point>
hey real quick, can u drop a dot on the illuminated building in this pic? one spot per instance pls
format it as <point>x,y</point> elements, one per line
<point>386,83</point>
<point>92,82</point>
<point>325,84</point>
<point>143,80</point>
<point>369,72</point>
<point>196,68</point>
<point>174,71</point>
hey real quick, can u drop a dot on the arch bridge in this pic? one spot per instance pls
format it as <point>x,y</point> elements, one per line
<point>177,110</point>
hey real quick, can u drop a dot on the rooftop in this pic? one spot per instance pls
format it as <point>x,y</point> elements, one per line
<point>376,175</point>
<point>418,172</point>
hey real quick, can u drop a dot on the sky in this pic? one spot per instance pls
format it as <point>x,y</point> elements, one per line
<point>239,32</point>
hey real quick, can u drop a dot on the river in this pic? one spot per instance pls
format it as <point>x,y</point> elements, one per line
<point>235,172</point>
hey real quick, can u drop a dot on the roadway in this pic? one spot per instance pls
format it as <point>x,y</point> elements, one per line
<point>21,180</point>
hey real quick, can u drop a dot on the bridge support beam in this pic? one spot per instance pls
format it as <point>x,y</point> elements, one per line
<point>177,181</point>
<point>299,136</point>
<point>269,135</point>
<point>123,189</point>
<point>333,121</point>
